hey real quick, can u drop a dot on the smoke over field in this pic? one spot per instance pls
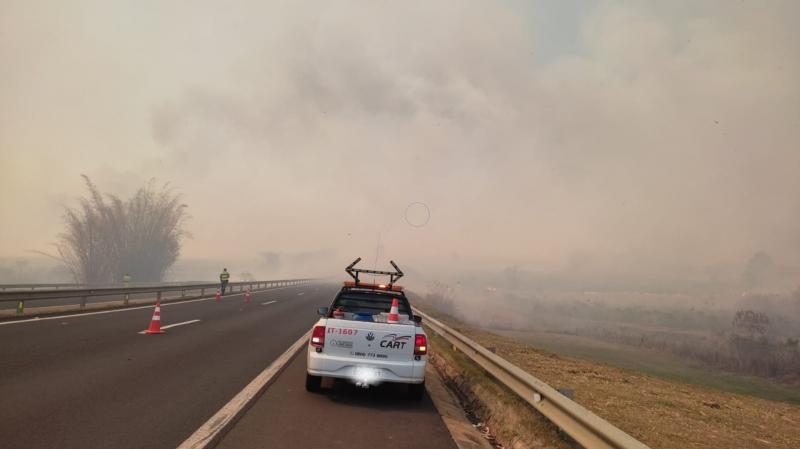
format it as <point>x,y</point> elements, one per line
<point>744,333</point>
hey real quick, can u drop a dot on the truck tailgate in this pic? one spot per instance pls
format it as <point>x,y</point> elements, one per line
<point>369,340</point>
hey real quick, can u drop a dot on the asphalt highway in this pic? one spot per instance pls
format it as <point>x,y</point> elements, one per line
<point>92,381</point>
<point>341,416</point>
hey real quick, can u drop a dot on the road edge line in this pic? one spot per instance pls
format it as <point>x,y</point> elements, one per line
<point>212,431</point>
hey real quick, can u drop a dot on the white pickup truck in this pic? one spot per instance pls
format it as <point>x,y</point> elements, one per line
<point>359,339</point>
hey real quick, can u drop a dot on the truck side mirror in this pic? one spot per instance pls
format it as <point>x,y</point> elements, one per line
<point>322,311</point>
<point>417,319</point>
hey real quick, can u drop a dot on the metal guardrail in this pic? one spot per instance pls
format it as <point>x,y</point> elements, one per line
<point>22,296</point>
<point>586,428</point>
<point>4,287</point>
<point>63,285</point>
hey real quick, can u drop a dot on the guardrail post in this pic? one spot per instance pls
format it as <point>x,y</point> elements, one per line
<point>202,292</point>
<point>158,297</point>
<point>183,293</point>
<point>83,302</point>
<point>125,299</point>
<point>20,307</point>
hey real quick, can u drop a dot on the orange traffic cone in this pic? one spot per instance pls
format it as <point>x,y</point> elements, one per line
<point>247,297</point>
<point>217,297</point>
<point>394,314</point>
<point>155,322</point>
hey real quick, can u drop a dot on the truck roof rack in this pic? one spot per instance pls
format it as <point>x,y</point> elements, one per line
<point>393,276</point>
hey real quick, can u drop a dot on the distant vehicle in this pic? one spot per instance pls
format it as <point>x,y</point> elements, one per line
<point>368,335</point>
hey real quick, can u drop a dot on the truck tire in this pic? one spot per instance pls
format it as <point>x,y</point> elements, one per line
<point>416,391</point>
<point>313,383</point>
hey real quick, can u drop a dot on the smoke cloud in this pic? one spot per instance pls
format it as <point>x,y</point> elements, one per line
<point>598,138</point>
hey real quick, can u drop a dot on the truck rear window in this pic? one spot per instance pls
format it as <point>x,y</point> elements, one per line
<point>356,302</point>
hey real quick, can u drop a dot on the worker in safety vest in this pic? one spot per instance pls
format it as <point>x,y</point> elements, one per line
<point>126,282</point>
<point>223,280</point>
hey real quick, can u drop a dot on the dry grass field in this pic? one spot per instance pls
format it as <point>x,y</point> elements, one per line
<point>660,413</point>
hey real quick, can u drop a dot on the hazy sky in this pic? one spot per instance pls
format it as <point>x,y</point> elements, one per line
<point>615,135</point>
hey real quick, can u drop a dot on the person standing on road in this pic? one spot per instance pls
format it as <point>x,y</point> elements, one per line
<point>126,282</point>
<point>223,280</point>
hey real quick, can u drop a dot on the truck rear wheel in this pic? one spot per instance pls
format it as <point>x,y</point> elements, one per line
<point>416,391</point>
<point>313,383</point>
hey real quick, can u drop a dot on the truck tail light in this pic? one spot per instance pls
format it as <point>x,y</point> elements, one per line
<point>318,337</point>
<point>420,344</point>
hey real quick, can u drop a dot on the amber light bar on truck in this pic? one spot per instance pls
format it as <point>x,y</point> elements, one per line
<point>387,287</point>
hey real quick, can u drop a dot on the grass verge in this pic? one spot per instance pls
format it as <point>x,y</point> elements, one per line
<point>512,421</point>
<point>660,413</point>
<point>664,366</point>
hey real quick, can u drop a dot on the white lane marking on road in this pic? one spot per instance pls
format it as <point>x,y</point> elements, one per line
<point>301,293</point>
<point>173,325</point>
<point>208,434</point>
<point>268,303</point>
<point>77,315</point>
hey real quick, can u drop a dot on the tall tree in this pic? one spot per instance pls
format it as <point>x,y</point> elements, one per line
<point>107,237</point>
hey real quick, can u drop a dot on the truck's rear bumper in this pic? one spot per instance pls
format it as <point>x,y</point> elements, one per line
<point>369,371</point>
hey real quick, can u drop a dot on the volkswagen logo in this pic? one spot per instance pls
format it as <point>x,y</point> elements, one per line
<point>370,336</point>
